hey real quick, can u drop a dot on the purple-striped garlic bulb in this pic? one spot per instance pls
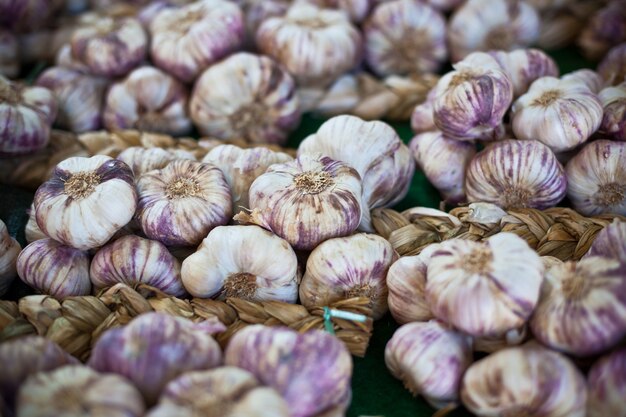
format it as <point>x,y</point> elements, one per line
<point>586,76</point>
<point>315,45</point>
<point>610,242</point>
<point>345,267</point>
<point>312,370</point>
<point>422,119</point>
<point>148,99</point>
<point>524,66</point>
<point>154,349</point>
<point>54,269</point>
<point>375,150</point>
<point>472,100</point>
<point>80,98</point>
<point>357,10</point>
<point>605,386</point>
<point>582,309</point>
<point>133,260</point>
<point>596,178</point>
<point>78,390</point>
<point>405,36</point>
<point>613,67</point>
<point>528,380</point>
<point>516,173</point>
<point>227,390</point>
<point>9,54</point>
<point>181,203</point>
<point>110,47</point>
<point>444,161</point>
<point>306,201</point>
<point>86,201</point>
<point>186,40</point>
<point>256,11</point>
<point>27,15</point>
<point>242,166</point>
<point>142,160</point>
<point>484,288</point>
<point>26,115</point>
<point>246,96</point>
<point>241,262</point>
<point>483,25</point>
<point>605,29</point>
<point>430,359</point>
<point>9,251</point>
<point>613,100</point>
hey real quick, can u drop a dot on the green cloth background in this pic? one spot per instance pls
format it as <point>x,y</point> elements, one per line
<point>375,391</point>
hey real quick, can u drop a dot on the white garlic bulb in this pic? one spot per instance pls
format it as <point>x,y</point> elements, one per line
<point>586,76</point>
<point>9,251</point>
<point>9,55</point>
<point>524,66</point>
<point>484,288</point>
<point>246,96</point>
<point>596,178</point>
<point>614,104</point>
<point>422,117</point>
<point>242,166</point>
<point>86,201</point>
<point>606,387</point>
<point>610,242</point>
<point>32,232</point>
<point>181,203</point>
<point>142,160</point>
<point>353,266</point>
<point>357,10</point>
<point>306,201</point>
<point>613,67</point>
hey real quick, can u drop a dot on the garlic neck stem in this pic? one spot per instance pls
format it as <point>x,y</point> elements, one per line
<point>240,285</point>
<point>610,194</point>
<point>9,93</point>
<point>81,184</point>
<point>500,37</point>
<point>182,188</point>
<point>574,284</point>
<point>478,261</point>
<point>312,182</point>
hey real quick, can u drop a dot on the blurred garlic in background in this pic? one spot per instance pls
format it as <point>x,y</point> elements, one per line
<point>142,160</point>
<point>9,251</point>
<point>9,56</point>
<point>614,120</point>
<point>357,10</point>
<point>613,66</point>
<point>605,29</point>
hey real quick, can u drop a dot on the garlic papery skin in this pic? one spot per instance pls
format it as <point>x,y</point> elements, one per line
<point>242,166</point>
<point>614,120</point>
<point>596,178</point>
<point>154,349</point>
<point>54,269</point>
<point>315,45</point>
<point>524,66</point>
<point>610,242</point>
<point>110,47</point>
<point>80,98</point>
<point>147,99</point>
<point>472,100</point>
<point>246,96</point>
<point>613,67</point>
<point>444,162</point>
<point>484,288</point>
<point>405,36</point>
<point>560,114</point>
<point>227,391</point>
<point>430,359</point>
<point>142,160</point>
<point>311,370</point>
<point>86,201</point>
<point>525,381</point>
<point>133,260</point>
<point>590,78</point>
<point>422,119</point>
<point>605,385</point>
<point>26,115</point>
<point>582,309</point>
<point>9,55</point>
<point>306,201</point>
<point>516,173</point>
<point>181,203</point>
<point>483,25</point>
<point>185,41</point>
<point>346,267</point>
<point>374,149</point>
<point>76,391</point>
<point>9,251</point>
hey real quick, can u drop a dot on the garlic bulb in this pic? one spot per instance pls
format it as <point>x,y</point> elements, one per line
<point>110,47</point>
<point>9,251</point>
<point>134,260</point>
<point>444,162</point>
<point>430,359</point>
<point>311,370</point>
<point>605,29</point>
<point>415,41</point>
<point>353,266</point>
<point>484,288</point>
<point>186,40</point>
<point>472,100</point>
<point>614,120</point>
<point>516,173</point>
<point>80,98</point>
<point>581,310</point>
<point>444,5</point>
<point>422,117</point>
<point>357,10</point>
<point>256,11</point>
<point>606,388</point>
<point>147,99</point>
<point>529,380</point>
<point>375,150</point>
<point>524,66</point>
<point>596,178</point>
<point>588,77</point>
<point>246,96</point>
<point>142,160</point>
<point>610,242</point>
<point>306,201</point>
<point>242,166</point>
<point>27,15</point>
<point>78,390</point>
<point>613,67</point>
<point>482,25</point>
<point>54,269</point>
<point>86,201</point>
<point>315,45</point>
<point>513,337</point>
<point>26,114</point>
<point>9,54</point>
<point>154,349</point>
<point>64,59</point>
<point>227,390</point>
